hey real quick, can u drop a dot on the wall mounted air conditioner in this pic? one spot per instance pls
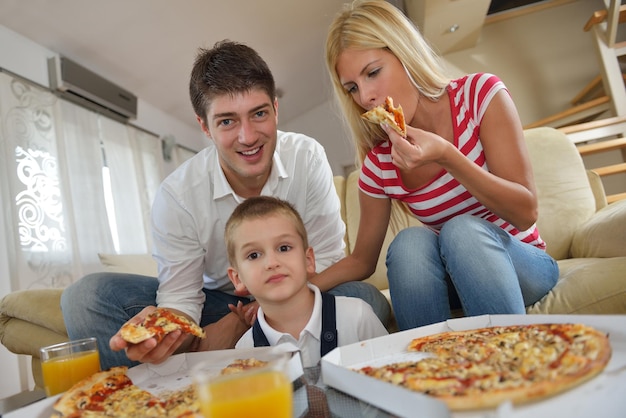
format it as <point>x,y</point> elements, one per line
<point>80,85</point>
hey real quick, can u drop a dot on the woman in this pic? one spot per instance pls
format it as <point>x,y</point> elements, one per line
<point>462,170</point>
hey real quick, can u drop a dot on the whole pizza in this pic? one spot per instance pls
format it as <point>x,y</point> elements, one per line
<point>484,367</point>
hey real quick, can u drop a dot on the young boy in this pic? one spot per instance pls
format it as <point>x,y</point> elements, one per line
<point>271,259</point>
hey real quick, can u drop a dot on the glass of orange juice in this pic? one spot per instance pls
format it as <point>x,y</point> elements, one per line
<point>65,364</point>
<point>255,393</point>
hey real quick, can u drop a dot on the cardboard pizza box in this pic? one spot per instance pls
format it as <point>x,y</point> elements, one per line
<point>602,396</point>
<point>175,373</point>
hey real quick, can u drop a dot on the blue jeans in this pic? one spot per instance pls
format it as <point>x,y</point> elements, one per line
<point>99,304</point>
<point>472,264</point>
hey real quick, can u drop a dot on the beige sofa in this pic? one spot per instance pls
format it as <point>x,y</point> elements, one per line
<point>585,235</point>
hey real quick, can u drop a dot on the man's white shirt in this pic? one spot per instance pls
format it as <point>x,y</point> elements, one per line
<point>192,206</point>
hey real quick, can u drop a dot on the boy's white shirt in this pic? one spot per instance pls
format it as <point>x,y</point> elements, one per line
<point>356,321</point>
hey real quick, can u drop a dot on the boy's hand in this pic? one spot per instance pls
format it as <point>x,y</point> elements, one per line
<point>246,313</point>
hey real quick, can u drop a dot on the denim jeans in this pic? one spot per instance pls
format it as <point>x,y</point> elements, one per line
<point>99,304</point>
<point>472,264</point>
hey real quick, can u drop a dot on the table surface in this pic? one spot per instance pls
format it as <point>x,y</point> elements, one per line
<point>321,401</point>
<point>310,395</point>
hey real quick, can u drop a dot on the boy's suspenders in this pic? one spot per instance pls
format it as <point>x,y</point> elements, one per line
<point>328,338</point>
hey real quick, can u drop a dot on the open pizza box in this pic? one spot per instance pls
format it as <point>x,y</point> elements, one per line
<point>176,373</point>
<point>602,396</point>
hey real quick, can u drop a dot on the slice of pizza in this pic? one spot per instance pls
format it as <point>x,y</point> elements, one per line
<point>182,402</point>
<point>240,365</point>
<point>132,401</point>
<point>158,324</point>
<point>387,113</point>
<point>89,394</point>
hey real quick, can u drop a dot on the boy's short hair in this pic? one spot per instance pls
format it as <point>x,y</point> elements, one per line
<point>261,207</point>
<point>227,68</point>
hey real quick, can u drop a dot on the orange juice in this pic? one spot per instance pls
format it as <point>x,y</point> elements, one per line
<point>257,395</point>
<point>61,373</point>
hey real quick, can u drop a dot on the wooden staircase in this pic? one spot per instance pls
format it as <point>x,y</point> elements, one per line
<point>611,101</point>
<point>603,136</point>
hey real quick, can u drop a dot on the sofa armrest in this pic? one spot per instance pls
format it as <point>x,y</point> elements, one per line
<point>603,235</point>
<point>31,319</point>
<point>38,306</point>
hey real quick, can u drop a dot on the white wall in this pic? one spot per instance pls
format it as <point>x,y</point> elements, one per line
<point>324,124</point>
<point>28,59</point>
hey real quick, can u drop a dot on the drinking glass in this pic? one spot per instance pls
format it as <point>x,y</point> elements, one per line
<point>65,364</point>
<point>254,393</point>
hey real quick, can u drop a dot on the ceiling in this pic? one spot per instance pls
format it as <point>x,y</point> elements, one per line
<point>148,46</point>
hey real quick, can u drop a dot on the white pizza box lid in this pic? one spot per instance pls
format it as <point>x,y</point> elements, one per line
<point>602,396</point>
<point>175,373</point>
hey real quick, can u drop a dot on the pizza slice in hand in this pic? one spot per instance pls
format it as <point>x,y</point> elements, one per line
<point>387,113</point>
<point>158,324</point>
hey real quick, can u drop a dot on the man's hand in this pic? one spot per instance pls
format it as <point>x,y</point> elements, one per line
<point>151,350</point>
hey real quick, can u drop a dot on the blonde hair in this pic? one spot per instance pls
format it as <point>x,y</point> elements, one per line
<point>260,207</point>
<point>376,24</point>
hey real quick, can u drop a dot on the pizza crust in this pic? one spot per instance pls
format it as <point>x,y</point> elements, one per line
<point>241,365</point>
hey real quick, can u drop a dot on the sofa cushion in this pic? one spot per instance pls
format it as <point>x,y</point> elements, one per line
<point>399,221</point>
<point>586,286</point>
<point>340,187</point>
<point>599,237</point>
<point>142,264</point>
<point>566,200</point>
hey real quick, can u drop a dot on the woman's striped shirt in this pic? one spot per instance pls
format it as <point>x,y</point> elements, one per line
<point>444,197</point>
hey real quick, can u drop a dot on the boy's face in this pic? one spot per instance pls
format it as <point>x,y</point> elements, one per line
<point>271,261</point>
<point>243,128</point>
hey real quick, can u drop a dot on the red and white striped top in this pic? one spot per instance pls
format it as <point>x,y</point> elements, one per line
<point>444,197</point>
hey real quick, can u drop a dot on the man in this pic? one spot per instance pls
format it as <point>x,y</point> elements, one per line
<point>234,97</point>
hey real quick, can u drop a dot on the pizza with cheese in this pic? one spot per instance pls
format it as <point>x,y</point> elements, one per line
<point>89,395</point>
<point>241,365</point>
<point>112,393</point>
<point>387,113</point>
<point>482,368</point>
<point>158,324</point>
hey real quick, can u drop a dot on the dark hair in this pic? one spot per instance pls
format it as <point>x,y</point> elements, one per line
<point>227,68</point>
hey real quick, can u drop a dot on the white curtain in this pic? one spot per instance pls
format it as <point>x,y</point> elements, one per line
<point>73,183</point>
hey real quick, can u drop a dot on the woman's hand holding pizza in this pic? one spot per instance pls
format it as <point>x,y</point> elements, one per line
<point>417,149</point>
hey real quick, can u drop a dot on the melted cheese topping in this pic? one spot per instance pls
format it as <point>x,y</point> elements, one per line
<point>497,358</point>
